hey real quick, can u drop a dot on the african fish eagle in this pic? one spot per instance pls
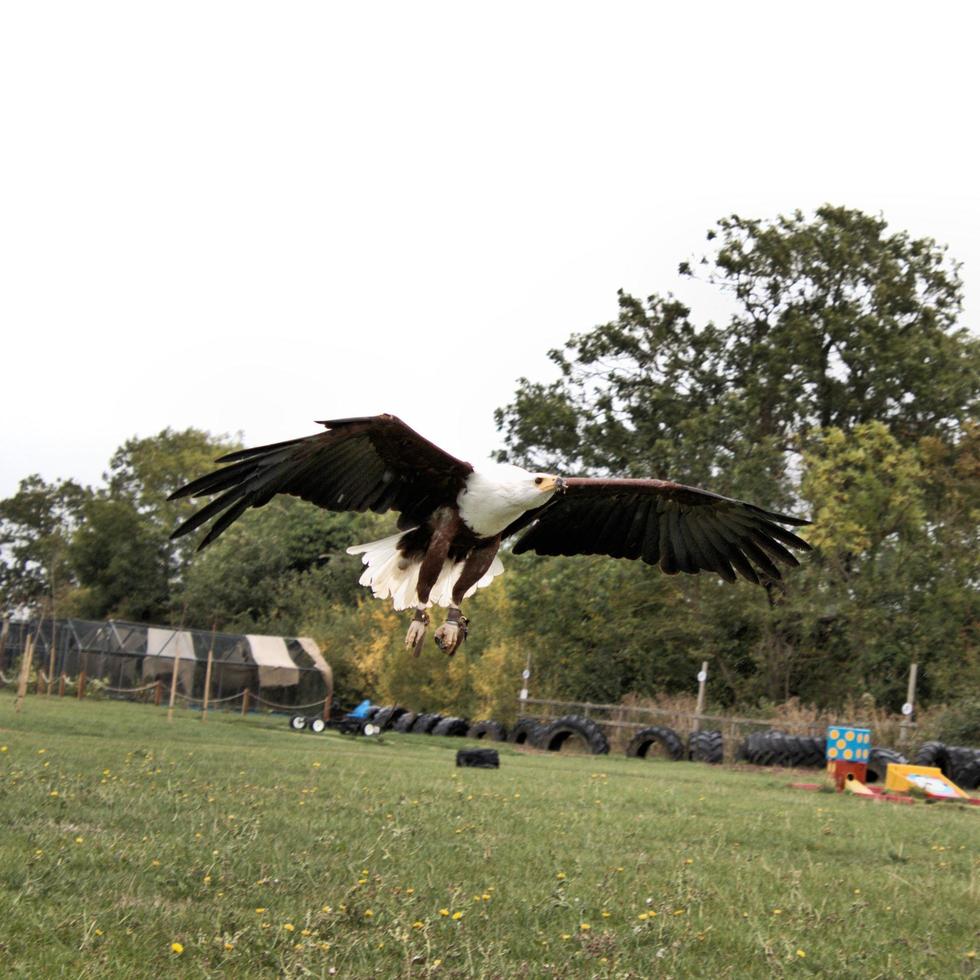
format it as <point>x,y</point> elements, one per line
<point>453,517</point>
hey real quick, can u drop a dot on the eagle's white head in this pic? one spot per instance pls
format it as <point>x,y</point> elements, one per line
<point>499,493</point>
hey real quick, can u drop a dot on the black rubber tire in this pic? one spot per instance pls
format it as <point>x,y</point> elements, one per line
<point>525,732</point>
<point>317,726</point>
<point>425,723</point>
<point>478,758</point>
<point>931,754</point>
<point>405,722</point>
<point>492,731</point>
<point>769,749</point>
<point>960,765</point>
<point>297,723</point>
<point>968,774</point>
<point>452,727</point>
<point>748,750</point>
<point>553,736</point>
<point>878,761</point>
<point>706,747</point>
<point>665,743</point>
<point>803,752</point>
<point>387,717</point>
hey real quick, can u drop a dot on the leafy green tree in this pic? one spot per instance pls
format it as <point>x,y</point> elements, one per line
<point>121,563</point>
<point>36,524</point>
<point>835,323</point>
<point>272,567</point>
<point>842,361</point>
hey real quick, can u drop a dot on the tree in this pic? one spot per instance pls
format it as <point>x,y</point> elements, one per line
<point>124,561</point>
<point>836,323</point>
<point>842,362</point>
<point>35,526</point>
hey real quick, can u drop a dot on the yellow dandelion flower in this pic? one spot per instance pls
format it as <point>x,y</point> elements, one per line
<point>777,911</point>
<point>229,946</point>
<point>98,932</point>
<point>288,926</point>
<point>605,914</point>
<point>643,916</point>
<point>3,748</point>
<point>176,948</point>
<point>566,935</point>
<point>457,916</point>
<point>418,924</point>
<point>259,911</point>
<point>560,876</point>
<point>54,792</point>
<point>409,891</point>
<point>79,840</point>
<point>584,926</point>
<point>801,954</point>
<point>368,914</point>
<point>155,863</point>
<point>444,912</point>
<point>307,932</point>
<point>327,909</point>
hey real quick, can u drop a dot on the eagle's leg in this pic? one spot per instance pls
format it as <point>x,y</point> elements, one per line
<point>416,631</point>
<point>453,631</point>
<point>445,524</point>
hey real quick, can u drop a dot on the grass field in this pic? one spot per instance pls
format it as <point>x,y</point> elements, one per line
<point>133,847</point>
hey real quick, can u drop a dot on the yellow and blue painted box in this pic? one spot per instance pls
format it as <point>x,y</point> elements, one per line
<point>846,744</point>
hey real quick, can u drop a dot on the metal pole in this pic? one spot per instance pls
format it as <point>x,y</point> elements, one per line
<point>702,685</point>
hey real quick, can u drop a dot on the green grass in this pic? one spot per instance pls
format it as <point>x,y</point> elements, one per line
<point>123,834</point>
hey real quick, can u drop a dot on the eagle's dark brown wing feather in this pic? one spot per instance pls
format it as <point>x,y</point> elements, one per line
<point>376,463</point>
<point>679,528</point>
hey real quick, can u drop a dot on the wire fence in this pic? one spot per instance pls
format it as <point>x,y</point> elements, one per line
<point>93,660</point>
<point>622,721</point>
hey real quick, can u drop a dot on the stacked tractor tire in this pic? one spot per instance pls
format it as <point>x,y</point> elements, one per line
<point>957,762</point>
<point>770,748</point>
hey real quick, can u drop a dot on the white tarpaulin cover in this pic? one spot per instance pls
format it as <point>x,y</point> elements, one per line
<point>276,667</point>
<point>162,647</point>
<point>313,651</point>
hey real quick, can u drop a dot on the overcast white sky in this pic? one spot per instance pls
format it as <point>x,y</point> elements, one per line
<point>246,216</point>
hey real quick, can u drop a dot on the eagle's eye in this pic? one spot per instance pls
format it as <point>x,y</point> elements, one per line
<point>538,480</point>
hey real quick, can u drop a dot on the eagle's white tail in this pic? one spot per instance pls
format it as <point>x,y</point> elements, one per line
<point>390,575</point>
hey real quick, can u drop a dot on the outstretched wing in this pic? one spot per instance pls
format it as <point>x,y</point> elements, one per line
<point>376,463</point>
<point>679,528</point>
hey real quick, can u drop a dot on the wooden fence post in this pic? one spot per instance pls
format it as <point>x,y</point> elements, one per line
<point>54,649</point>
<point>61,685</point>
<point>81,685</point>
<point>908,709</point>
<point>245,697</point>
<point>702,684</point>
<point>25,670</point>
<point>207,676</point>
<point>158,693</point>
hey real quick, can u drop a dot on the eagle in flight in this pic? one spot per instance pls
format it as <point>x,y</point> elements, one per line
<point>453,517</point>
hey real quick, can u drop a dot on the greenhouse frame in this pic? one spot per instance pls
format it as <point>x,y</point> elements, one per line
<point>121,658</point>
